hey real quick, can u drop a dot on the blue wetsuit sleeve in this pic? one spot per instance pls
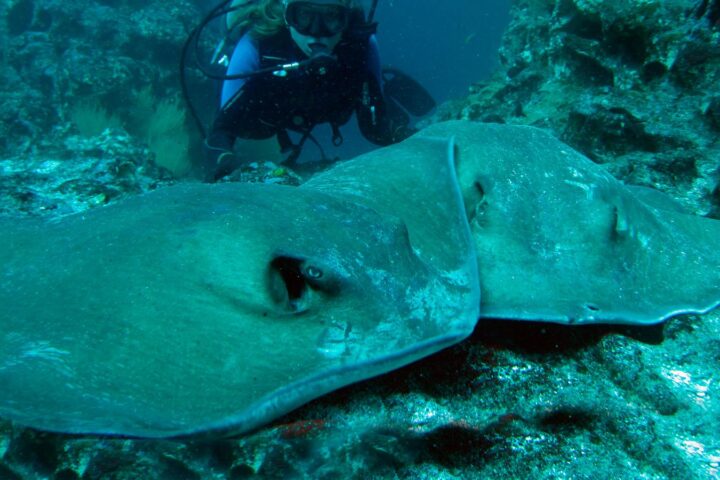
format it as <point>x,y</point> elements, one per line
<point>374,61</point>
<point>245,59</point>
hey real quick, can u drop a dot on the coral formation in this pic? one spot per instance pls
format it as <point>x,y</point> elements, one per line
<point>66,61</point>
<point>77,174</point>
<point>92,119</point>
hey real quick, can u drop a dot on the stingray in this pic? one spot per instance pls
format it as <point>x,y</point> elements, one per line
<point>559,239</point>
<point>216,308</point>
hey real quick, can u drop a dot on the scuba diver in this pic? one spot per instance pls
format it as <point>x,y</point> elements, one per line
<point>300,63</point>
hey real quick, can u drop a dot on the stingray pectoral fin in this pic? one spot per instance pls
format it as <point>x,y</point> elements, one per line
<point>683,257</point>
<point>415,181</point>
<point>656,199</point>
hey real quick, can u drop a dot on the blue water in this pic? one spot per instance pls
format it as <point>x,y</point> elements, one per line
<point>446,48</point>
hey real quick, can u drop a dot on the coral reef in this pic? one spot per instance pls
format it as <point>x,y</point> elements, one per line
<point>60,56</point>
<point>77,174</point>
<point>632,84</point>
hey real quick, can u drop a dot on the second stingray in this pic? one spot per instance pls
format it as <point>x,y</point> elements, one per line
<point>559,239</point>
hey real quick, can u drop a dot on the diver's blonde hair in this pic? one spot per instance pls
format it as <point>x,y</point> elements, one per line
<point>263,18</point>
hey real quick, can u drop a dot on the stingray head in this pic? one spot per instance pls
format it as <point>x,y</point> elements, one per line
<point>323,280</point>
<point>317,291</point>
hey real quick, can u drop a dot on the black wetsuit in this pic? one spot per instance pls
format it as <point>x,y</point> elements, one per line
<point>327,92</point>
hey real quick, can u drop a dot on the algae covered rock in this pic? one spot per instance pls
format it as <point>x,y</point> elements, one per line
<point>631,84</point>
<point>59,57</point>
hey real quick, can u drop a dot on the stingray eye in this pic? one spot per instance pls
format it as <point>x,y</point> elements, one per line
<point>313,272</point>
<point>292,279</point>
<point>321,278</point>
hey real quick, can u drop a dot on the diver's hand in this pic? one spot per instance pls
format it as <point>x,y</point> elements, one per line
<point>402,132</point>
<point>227,163</point>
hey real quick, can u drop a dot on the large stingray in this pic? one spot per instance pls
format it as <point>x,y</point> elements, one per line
<point>218,308</point>
<point>559,239</point>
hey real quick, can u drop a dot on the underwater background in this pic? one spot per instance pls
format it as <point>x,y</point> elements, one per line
<point>447,48</point>
<point>91,113</point>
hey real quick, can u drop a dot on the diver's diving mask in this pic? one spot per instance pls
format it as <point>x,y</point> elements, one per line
<point>317,20</point>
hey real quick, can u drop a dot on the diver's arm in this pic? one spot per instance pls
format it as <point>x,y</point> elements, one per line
<point>245,59</point>
<point>219,157</point>
<point>380,122</point>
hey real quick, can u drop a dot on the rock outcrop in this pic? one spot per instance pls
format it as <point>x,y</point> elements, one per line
<point>631,84</point>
